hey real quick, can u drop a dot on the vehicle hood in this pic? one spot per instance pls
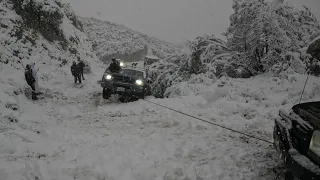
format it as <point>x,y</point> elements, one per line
<point>309,112</point>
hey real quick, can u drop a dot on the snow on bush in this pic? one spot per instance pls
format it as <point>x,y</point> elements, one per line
<point>44,16</point>
<point>205,52</point>
<point>270,35</point>
<point>262,37</point>
<point>195,85</point>
<point>168,72</point>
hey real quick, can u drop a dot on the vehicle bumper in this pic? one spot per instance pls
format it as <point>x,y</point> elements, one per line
<point>298,165</point>
<point>129,89</point>
<point>301,167</point>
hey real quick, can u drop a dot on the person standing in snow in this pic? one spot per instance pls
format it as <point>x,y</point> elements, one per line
<point>114,66</point>
<point>34,73</point>
<point>75,72</point>
<point>81,67</point>
<point>31,81</point>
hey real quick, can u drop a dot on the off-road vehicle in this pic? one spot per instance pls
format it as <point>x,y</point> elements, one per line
<point>297,135</point>
<point>132,82</point>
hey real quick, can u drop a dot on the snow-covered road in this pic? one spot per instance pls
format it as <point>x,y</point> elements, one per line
<point>75,134</point>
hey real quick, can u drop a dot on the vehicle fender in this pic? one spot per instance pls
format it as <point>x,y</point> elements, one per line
<point>282,132</point>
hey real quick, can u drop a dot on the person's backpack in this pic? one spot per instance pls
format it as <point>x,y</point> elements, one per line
<point>79,67</point>
<point>81,64</point>
<point>73,70</point>
<point>29,77</point>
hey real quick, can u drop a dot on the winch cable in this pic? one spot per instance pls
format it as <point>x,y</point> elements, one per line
<point>215,124</point>
<point>304,87</point>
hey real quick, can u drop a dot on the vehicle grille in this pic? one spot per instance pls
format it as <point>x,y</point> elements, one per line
<point>122,79</point>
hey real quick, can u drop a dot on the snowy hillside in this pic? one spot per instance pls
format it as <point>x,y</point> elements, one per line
<point>110,39</point>
<point>52,38</point>
<point>52,45</point>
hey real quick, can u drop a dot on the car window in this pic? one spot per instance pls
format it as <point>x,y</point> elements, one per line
<point>131,72</point>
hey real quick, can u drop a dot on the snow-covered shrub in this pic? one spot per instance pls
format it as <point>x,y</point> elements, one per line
<point>211,55</point>
<point>9,117</point>
<point>180,74</point>
<point>208,59</point>
<point>44,16</point>
<point>237,71</point>
<point>12,104</point>
<point>262,37</point>
<point>167,72</point>
<point>195,85</point>
<point>87,68</point>
<point>271,35</point>
<point>205,51</point>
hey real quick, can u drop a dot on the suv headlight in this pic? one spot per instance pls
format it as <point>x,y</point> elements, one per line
<point>139,82</point>
<point>315,143</point>
<point>121,64</point>
<point>108,77</point>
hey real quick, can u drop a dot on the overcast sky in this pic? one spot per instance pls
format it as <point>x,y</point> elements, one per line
<point>171,20</point>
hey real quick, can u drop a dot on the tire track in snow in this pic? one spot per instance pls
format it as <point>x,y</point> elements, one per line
<point>125,135</point>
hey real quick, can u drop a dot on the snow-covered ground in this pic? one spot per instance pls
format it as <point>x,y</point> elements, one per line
<point>75,134</point>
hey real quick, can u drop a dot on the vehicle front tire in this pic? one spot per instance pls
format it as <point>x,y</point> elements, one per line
<point>142,95</point>
<point>288,176</point>
<point>149,92</point>
<point>106,93</point>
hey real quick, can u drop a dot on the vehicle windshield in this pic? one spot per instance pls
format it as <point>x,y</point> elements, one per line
<point>131,72</point>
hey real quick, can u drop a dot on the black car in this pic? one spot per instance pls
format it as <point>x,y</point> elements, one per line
<point>297,139</point>
<point>127,82</point>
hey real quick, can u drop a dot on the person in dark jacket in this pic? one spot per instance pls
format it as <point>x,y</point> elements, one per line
<point>81,67</point>
<point>28,74</point>
<point>75,71</point>
<point>114,66</point>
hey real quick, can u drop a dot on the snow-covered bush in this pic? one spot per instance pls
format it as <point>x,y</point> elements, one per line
<point>169,71</point>
<point>87,68</point>
<point>262,37</point>
<point>211,55</point>
<point>208,59</point>
<point>44,16</point>
<point>205,51</point>
<point>194,85</point>
<point>200,66</point>
<point>270,34</point>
